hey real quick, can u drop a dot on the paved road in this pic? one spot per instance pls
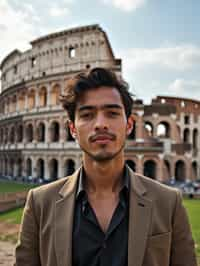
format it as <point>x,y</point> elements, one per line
<point>6,254</point>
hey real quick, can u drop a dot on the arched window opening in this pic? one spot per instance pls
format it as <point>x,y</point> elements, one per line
<point>195,139</point>
<point>55,94</point>
<point>55,132</point>
<point>69,167</point>
<point>29,133</point>
<point>166,170</point>
<point>194,170</point>
<point>29,168</point>
<point>148,129</point>
<point>20,133</point>
<point>43,97</point>
<point>41,132</point>
<point>150,169</point>
<point>180,171</point>
<point>53,169</point>
<point>186,135</point>
<point>31,99</point>
<point>40,169</point>
<point>12,135</point>
<point>163,130</point>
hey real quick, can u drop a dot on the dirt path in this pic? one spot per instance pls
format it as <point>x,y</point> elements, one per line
<point>6,253</point>
<point>7,249</point>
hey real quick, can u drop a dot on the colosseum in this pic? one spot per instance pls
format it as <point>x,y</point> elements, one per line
<point>35,143</point>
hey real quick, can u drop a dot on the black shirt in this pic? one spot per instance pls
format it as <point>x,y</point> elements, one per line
<point>91,246</point>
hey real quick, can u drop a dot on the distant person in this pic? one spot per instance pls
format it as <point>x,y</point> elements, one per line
<point>104,214</point>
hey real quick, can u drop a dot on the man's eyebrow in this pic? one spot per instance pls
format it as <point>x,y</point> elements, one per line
<point>104,106</point>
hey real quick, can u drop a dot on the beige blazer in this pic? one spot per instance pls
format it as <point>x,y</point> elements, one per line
<point>159,232</point>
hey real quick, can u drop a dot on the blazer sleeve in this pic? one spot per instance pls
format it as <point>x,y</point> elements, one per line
<point>27,249</point>
<point>182,249</point>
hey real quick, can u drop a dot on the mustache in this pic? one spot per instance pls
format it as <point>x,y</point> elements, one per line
<point>109,135</point>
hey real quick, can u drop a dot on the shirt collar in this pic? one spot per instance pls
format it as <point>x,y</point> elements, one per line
<point>81,191</point>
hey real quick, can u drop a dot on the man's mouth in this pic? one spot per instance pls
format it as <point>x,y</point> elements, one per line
<point>102,138</point>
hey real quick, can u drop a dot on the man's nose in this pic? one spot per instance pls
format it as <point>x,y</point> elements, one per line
<point>101,122</point>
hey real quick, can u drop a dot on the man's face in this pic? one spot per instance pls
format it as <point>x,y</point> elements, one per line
<point>100,124</point>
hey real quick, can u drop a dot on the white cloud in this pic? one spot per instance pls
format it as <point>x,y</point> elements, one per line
<point>180,57</point>
<point>17,26</point>
<point>125,5</point>
<point>185,87</point>
<point>57,11</point>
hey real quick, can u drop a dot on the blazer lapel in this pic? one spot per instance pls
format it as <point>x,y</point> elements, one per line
<point>63,221</point>
<point>139,221</point>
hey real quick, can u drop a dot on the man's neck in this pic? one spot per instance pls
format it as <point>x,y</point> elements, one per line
<point>103,177</point>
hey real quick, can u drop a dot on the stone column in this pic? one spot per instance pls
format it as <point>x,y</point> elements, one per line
<point>48,95</point>
<point>37,103</point>
<point>139,167</point>
<point>160,168</point>
<point>46,167</point>
<point>34,168</point>
<point>140,126</point>
<point>60,168</point>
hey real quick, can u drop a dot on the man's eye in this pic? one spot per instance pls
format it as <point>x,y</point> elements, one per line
<point>86,115</point>
<point>112,113</point>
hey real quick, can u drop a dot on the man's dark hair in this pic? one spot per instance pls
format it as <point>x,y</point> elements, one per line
<point>94,79</point>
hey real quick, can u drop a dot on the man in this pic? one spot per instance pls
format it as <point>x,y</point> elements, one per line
<point>104,214</point>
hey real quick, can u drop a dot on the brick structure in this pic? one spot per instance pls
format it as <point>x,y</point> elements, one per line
<point>34,139</point>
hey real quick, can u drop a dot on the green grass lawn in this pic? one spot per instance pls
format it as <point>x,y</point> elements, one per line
<point>193,209</point>
<point>10,186</point>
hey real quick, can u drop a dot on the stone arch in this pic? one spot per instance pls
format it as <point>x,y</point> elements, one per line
<point>12,135</point>
<point>163,130</point>
<point>131,164</point>
<point>19,167</point>
<point>6,135</point>
<point>21,101</point>
<point>149,130</point>
<point>40,168</point>
<point>180,170</point>
<point>29,133</point>
<point>31,99</point>
<point>2,135</point>
<point>166,170</point>
<point>69,167</point>
<point>41,132</point>
<point>186,135</point>
<point>54,131</point>
<point>29,167</point>
<point>150,168</point>
<point>55,94</point>
<point>194,170</point>
<point>195,139</point>
<point>20,133</point>
<point>13,103</point>
<point>53,169</point>
<point>43,97</point>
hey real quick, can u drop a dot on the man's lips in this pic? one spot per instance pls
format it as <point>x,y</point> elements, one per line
<point>102,138</point>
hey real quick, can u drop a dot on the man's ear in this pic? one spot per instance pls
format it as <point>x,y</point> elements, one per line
<point>72,128</point>
<point>130,124</point>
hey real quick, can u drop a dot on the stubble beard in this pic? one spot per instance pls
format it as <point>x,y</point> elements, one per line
<point>103,156</point>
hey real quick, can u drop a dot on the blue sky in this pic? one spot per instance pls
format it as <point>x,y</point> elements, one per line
<point>158,41</point>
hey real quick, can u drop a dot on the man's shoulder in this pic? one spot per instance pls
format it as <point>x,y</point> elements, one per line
<point>50,191</point>
<point>156,189</point>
